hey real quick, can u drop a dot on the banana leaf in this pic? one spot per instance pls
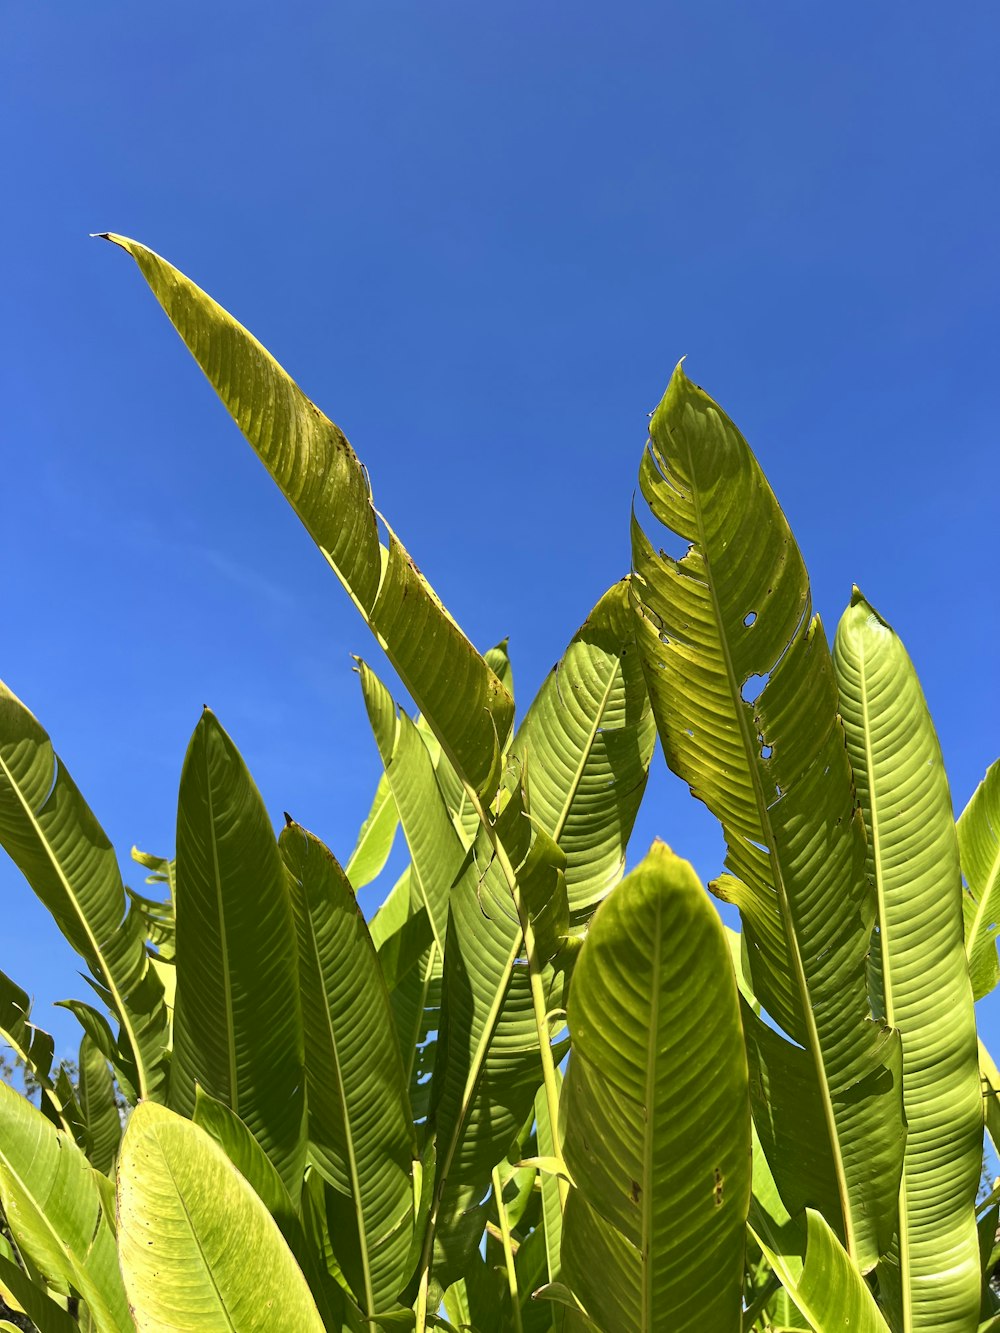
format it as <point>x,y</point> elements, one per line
<point>742,688</point>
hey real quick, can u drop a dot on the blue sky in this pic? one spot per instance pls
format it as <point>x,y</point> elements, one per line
<point>480,237</point>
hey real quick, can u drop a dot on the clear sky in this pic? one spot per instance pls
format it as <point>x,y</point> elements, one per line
<point>480,236</point>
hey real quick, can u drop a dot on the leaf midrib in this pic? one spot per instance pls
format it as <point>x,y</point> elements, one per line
<point>194,1233</point>
<point>650,1120</point>
<point>342,1098</point>
<point>781,892</point>
<point>903,1218</point>
<point>234,1095</point>
<point>585,752</point>
<point>76,1266</point>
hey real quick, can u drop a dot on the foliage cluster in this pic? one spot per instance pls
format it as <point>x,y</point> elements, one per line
<point>336,1124</point>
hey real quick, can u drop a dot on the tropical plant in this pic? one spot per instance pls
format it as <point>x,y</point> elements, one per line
<point>533,1092</point>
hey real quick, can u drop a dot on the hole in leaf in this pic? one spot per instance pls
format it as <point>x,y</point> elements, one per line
<point>766,751</point>
<point>752,688</point>
<point>749,618</point>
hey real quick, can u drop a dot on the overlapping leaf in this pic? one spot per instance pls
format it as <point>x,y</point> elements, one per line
<point>657,1114</point>
<point>913,860</point>
<point>181,1205</point>
<point>53,837</point>
<point>309,458</point>
<point>52,1201</point>
<point>979,845</point>
<point>157,913</point>
<point>237,1022</point>
<point>102,1123</point>
<point>375,838</point>
<point>731,616</point>
<point>585,746</point>
<point>17,1288</point>
<point>814,1268</point>
<point>360,1126</point>
<point>30,1044</point>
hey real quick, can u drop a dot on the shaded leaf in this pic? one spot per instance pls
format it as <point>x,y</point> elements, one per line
<point>913,860</point>
<point>360,1131</point>
<point>237,1023</point>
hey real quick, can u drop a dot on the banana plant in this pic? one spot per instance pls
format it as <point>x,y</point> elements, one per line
<point>533,1092</point>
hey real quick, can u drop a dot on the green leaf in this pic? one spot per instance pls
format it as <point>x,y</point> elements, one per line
<point>989,1077</point>
<point>319,474</point>
<point>32,1045</point>
<point>979,845</point>
<point>913,859</point>
<point>438,853</point>
<point>257,1169</point>
<point>157,914</point>
<point>813,1266</point>
<point>198,1249</point>
<point>731,616</point>
<point>656,1107</point>
<point>488,1051</point>
<point>52,1202</point>
<point>585,746</point>
<point>360,1128</point>
<point>17,1288</point>
<point>237,1022</point>
<point>62,851</point>
<point>548,1146</point>
<point>100,1110</point>
<point>375,838</point>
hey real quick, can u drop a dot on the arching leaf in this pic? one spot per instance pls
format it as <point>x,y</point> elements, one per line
<point>585,746</point>
<point>54,839</point>
<point>319,474</point>
<point>32,1045</point>
<point>814,1268</point>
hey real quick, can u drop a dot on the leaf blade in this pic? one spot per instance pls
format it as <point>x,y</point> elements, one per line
<point>237,1023</point>
<point>913,858</point>
<point>320,475</point>
<point>180,1202</point>
<point>657,1110</point>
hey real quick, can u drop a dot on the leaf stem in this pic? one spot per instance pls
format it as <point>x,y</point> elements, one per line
<point>508,1249</point>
